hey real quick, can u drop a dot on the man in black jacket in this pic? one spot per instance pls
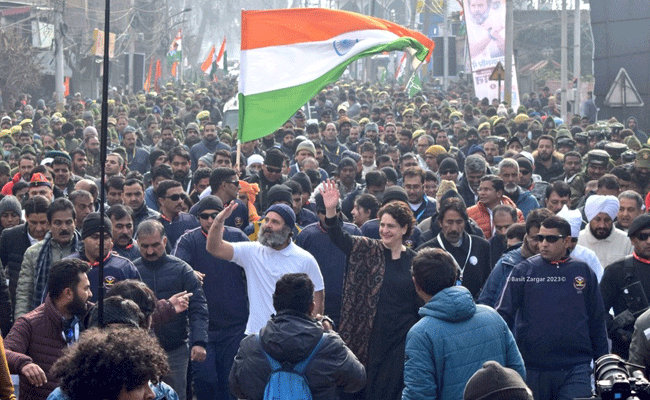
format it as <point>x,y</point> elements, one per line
<point>167,275</point>
<point>616,279</point>
<point>270,175</point>
<point>15,241</point>
<point>133,196</point>
<point>472,253</point>
<point>289,337</point>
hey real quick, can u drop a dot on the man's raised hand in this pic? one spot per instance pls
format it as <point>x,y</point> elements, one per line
<point>225,213</point>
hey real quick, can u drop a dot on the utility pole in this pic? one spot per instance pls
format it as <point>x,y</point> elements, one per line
<point>510,35</point>
<point>576,56</point>
<point>366,70</point>
<point>425,30</point>
<point>564,69</point>
<point>445,44</point>
<point>414,7</point>
<point>131,48</point>
<point>58,55</point>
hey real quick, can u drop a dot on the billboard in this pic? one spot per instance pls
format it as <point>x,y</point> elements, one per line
<point>486,33</point>
<point>621,31</point>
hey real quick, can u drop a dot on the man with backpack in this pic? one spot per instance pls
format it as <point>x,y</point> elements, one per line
<point>293,357</point>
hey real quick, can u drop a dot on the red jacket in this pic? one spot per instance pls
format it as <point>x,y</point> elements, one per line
<point>7,189</point>
<point>481,215</point>
<point>36,337</point>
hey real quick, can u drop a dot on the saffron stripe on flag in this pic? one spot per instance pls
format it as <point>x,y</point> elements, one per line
<point>299,25</point>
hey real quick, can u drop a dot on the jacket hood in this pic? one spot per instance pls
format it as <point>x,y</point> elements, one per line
<point>290,336</point>
<point>524,193</point>
<point>627,121</point>
<point>513,257</point>
<point>452,304</point>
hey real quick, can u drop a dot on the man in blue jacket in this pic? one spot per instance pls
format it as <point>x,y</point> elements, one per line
<point>454,337</point>
<point>167,275</point>
<point>554,304</point>
<point>225,291</point>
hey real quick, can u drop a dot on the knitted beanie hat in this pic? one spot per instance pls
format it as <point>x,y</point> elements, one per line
<point>494,382</point>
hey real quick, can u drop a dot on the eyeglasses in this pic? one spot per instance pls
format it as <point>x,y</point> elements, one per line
<point>236,183</point>
<point>643,236</point>
<point>524,171</point>
<point>449,171</point>
<point>208,215</point>
<point>273,170</point>
<point>549,238</point>
<point>174,197</point>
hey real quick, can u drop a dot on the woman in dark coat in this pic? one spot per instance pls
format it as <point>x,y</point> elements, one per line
<point>379,303</point>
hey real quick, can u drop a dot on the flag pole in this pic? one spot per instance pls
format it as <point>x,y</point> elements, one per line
<point>102,160</point>
<point>238,159</point>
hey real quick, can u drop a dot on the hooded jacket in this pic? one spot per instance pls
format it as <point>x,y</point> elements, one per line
<point>204,147</point>
<point>526,202</point>
<point>497,279</point>
<point>290,337</point>
<point>451,342</point>
<point>642,136</point>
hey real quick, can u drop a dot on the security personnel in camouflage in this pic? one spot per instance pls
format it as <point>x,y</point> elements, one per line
<point>597,162</point>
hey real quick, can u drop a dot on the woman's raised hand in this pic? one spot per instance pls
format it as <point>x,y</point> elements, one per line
<point>330,195</point>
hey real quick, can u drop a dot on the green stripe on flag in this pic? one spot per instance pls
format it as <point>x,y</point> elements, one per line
<point>261,114</point>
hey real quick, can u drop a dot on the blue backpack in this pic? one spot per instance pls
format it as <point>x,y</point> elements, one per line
<point>288,381</point>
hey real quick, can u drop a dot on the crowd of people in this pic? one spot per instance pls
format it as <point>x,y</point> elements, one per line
<point>432,234</point>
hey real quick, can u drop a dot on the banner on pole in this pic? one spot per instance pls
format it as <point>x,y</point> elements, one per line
<point>486,32</point>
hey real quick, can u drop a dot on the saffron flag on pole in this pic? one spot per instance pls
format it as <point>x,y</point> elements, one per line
<point>208,64</point>
<point>401,67</point>
<point>157,76</point>
<point>289,55</point>
<point>220,55</point>
<point>147,83</point>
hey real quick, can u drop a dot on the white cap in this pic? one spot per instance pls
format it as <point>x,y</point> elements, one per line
<point>573,217</point>
<point>254,159</point>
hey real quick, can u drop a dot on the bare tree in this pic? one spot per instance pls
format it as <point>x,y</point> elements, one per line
<point>19,71</point>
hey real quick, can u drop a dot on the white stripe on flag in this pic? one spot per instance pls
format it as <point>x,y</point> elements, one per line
<point>280,67</point>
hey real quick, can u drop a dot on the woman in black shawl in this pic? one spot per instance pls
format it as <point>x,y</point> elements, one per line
<point>379,303</point>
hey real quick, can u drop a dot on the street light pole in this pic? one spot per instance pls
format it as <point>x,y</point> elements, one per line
<point>131,49</point>
<point>510,34</point>
<point>445,45</point>
<point>576,56</point>
<point>58,55</point>
<point>564,68</point>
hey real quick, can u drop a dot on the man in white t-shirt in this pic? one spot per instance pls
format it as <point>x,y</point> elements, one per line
<point>266,261</point>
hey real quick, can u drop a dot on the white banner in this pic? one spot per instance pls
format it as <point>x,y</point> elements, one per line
<point>486,32</point>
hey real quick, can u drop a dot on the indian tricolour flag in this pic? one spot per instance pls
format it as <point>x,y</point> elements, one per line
<point>288,56</point>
